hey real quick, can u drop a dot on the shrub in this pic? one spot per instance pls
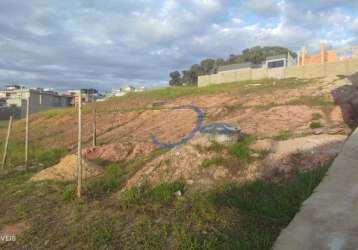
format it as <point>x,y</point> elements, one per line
<point>241,150</point>
<point>69,193</point>
<point>314,125</point>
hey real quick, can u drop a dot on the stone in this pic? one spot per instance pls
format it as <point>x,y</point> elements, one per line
<point>221,132</point>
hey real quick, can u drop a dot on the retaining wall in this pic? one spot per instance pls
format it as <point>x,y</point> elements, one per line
<point>346,67</point>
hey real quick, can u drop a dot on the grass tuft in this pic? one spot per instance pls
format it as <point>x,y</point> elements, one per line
<point>315,124</point>
<point>283,135</point>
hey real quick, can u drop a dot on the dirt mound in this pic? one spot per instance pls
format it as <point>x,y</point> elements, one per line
<point>118,152</point>
<point>302,153</point>
<point>66,170</point>
<point>183,162</point>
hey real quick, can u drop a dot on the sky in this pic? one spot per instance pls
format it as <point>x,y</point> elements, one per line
<point>71,44</point>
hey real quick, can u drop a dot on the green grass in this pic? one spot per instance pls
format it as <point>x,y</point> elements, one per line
<point>231,216</point>
<point>215,161</point>
<point>283,135</point>
<point>241,150</point>
<point>315,124</point>
<point>163,192</point>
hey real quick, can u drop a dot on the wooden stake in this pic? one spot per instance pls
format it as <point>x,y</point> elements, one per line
<point>6,143</point>
<point>94,135</point>
<point>79,148</point>
<point>27,132</point>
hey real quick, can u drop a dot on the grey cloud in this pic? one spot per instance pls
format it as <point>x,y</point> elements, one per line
<point>68,44</point>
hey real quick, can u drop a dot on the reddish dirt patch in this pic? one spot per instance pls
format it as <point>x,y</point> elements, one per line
<point>13,229</point>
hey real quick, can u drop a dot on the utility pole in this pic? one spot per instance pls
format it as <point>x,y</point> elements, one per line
<point>27,132</point>
<point>79,146</point>
<point>6,143</point>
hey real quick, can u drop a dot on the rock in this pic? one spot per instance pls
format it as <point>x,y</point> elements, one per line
<point>262,145</point>
<point>221,132</point>
<point>318,131</point>
<point>335,131</point>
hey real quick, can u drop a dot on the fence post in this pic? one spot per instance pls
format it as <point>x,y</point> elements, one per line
<point>27,132</point>
<point>94,135</point>
<point>79,146</point>
<point>6,143</point>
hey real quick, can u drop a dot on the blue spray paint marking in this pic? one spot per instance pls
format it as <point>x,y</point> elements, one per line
<point>188,136</point>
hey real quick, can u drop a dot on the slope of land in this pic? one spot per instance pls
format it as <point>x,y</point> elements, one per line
<point>199,195</point>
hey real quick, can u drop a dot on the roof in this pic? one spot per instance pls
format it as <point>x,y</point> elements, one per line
<point>237,66</point>
<point>277,57</point>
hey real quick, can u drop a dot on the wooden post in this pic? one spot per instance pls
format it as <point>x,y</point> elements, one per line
<point>27,132</point>
<point>79,146</point>
<point>94,142</point>
<point>6,143</point>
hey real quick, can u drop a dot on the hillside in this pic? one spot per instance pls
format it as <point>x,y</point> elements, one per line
<point>199,195</point>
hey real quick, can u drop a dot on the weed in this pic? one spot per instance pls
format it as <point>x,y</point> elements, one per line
<point>108,182</point>
<point>164,192</point>
<point>283,135</point>
<point>216,161</point>
<point>241,150</point>
<point>315,124</point>
<point>69,193</point>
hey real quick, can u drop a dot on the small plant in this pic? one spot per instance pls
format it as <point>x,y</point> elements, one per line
<point>315,124</point>
<point>216,161</point>
<point>316,116</point>
<point>69,193</point>
<point>283,135</point>
<point>216,147</point>
<point>241,150</point>
<point>165,191</point>
<point>134,194</point>
<point>109,182</point>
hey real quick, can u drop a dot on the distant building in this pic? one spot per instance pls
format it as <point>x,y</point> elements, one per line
<point>324,56</point>
<point>88,95</point>
<point>238,66</point>
<point>123,91</point>
<point>280,61</point>
<point>16,97</point>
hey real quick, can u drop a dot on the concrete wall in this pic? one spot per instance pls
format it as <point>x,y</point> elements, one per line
<point>346,67</point>
<point>6,112</point>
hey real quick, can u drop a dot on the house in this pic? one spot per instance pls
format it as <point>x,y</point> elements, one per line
<point>39,100</point>
<point>280,61</point>
<point>323,56</point>
<point>238,66</point>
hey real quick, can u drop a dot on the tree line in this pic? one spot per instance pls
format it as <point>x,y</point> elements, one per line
<point>208,66</point>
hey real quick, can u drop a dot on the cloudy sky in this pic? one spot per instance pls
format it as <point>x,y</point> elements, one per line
<point>104,44</point>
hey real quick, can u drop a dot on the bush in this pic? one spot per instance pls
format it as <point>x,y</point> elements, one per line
<point>69,193</point>
<point>314,125</point>
<point>241,150</point>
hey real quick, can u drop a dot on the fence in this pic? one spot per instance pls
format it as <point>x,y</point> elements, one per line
<point>346,67</point>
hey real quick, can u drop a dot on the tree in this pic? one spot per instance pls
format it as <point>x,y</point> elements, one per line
<point>207,66</point>
<point>175,79</point>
